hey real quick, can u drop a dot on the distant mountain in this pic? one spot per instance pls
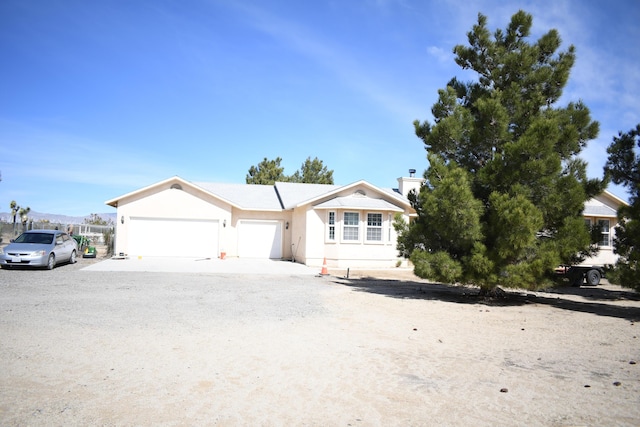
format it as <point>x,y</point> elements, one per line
<point>57,219</point>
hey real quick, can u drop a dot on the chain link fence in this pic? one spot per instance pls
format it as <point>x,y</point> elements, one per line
<point>97,234</point>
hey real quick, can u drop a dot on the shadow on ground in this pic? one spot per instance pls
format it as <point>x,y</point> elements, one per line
<point>601,301</point>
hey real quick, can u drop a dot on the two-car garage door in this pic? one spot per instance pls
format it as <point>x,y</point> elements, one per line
<point>173,237</point>
<point>179,237</point>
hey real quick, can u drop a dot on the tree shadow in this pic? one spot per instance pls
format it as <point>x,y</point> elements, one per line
<point>595,300</point>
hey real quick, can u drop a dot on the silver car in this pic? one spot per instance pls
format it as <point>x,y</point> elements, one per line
<point>39,248</point>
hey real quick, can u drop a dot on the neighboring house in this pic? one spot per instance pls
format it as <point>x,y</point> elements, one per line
<point>603,210</point>
<point>349,226</point>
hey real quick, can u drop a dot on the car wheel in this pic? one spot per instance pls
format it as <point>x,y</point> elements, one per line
<point>72,258</point>
<point>593,277</point>
<point>51,262</point>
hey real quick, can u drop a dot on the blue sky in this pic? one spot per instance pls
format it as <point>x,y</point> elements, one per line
<point>99,98</point>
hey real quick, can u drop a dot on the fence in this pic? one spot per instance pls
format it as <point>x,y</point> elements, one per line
<point>95,233</point>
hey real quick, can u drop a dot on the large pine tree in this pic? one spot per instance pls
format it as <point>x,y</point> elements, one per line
<point>505,189</point>
<point>623,166</point>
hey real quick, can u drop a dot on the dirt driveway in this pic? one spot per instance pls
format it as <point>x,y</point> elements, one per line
<point>82,347</point>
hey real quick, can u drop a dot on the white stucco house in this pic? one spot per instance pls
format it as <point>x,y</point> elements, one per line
<point>348,225</point>
<point>603,210</point>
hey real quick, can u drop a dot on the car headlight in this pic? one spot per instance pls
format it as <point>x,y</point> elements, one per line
<point>39,253</point>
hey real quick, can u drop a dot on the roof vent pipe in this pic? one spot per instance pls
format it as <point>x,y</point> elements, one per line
<point>412,173</point>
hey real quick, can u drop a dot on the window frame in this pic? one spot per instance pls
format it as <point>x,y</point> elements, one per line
<point>350,227</point>
<point>332,226</point>
<point>604,234</point>
<point>379,228</point>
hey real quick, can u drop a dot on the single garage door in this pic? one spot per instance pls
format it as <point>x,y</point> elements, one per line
<point>173,237</point>
<point>260,239</point>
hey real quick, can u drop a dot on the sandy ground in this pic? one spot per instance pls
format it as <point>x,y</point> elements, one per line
<point>85,347</point>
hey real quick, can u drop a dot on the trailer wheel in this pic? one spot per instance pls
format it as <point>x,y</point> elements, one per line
<point>593,277</point>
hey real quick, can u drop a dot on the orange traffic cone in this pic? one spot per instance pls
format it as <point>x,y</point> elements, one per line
<point>324,271</point>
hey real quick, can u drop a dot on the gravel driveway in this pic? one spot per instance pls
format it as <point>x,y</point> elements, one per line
<point>85,346</point>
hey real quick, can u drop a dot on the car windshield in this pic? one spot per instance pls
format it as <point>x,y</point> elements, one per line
<point>39,238</point>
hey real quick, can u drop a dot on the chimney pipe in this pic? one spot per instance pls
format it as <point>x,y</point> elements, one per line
<point>412,173</point>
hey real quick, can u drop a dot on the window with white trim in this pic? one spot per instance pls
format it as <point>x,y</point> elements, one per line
<point>605,239</point>
<point>605,230</point>
<point>350,226</point>
<point>331,226</point>
<point>374,227</point>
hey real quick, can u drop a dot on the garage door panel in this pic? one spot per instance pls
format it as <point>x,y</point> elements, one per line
<point>173,237</point>
<point>260,239</point>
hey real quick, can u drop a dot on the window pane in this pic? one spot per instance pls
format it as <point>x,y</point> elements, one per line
<point>351,218</point>
<point>351,233</point>
<point>374,233</point>
<point>374,219</point>
<point>604,224</point>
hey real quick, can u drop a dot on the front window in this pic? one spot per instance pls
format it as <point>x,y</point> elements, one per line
<point>350,226</point>
<point>605,240</point>
<point>374,227</point>
<point>332,225</point>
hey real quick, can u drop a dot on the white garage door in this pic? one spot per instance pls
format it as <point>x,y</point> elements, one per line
<point>260,239</point>
<point>173,237</point>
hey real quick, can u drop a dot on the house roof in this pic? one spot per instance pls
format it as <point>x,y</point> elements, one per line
<point>293,194</point>
<point>358,202</point>
<point>599,210</point>
<point>245,196</point>
<point>333,190</point>
<point>288,195</point>
<point>175,179</point>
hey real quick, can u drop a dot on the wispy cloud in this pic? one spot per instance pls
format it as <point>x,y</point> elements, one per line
<point>350,70</point>
<point>48,154</point>
<point>441,55</point>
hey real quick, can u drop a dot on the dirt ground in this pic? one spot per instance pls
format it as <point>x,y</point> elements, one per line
<point>380,348</point>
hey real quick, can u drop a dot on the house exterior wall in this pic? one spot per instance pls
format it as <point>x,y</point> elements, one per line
<point>605,256</point>
<point>166,203</point>
<point>298,233</point>
<point>340,252</point>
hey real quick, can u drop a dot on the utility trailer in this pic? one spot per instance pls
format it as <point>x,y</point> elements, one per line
<point>579,274</point>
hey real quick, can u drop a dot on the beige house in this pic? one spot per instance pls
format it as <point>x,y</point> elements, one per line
<point>349,226</point>
<point>603,210</point>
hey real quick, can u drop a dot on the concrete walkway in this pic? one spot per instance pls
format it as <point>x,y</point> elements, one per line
<point>204,265</point>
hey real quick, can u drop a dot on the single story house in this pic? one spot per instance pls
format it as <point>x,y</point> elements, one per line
<point>346,225</point>
<point>603,210</point>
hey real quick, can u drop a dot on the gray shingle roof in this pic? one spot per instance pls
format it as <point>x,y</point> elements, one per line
<point>245,196</point>
<point>287,195</point>
<point>595,210</point>
<point>292,194</point>
<point>355,202</point>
